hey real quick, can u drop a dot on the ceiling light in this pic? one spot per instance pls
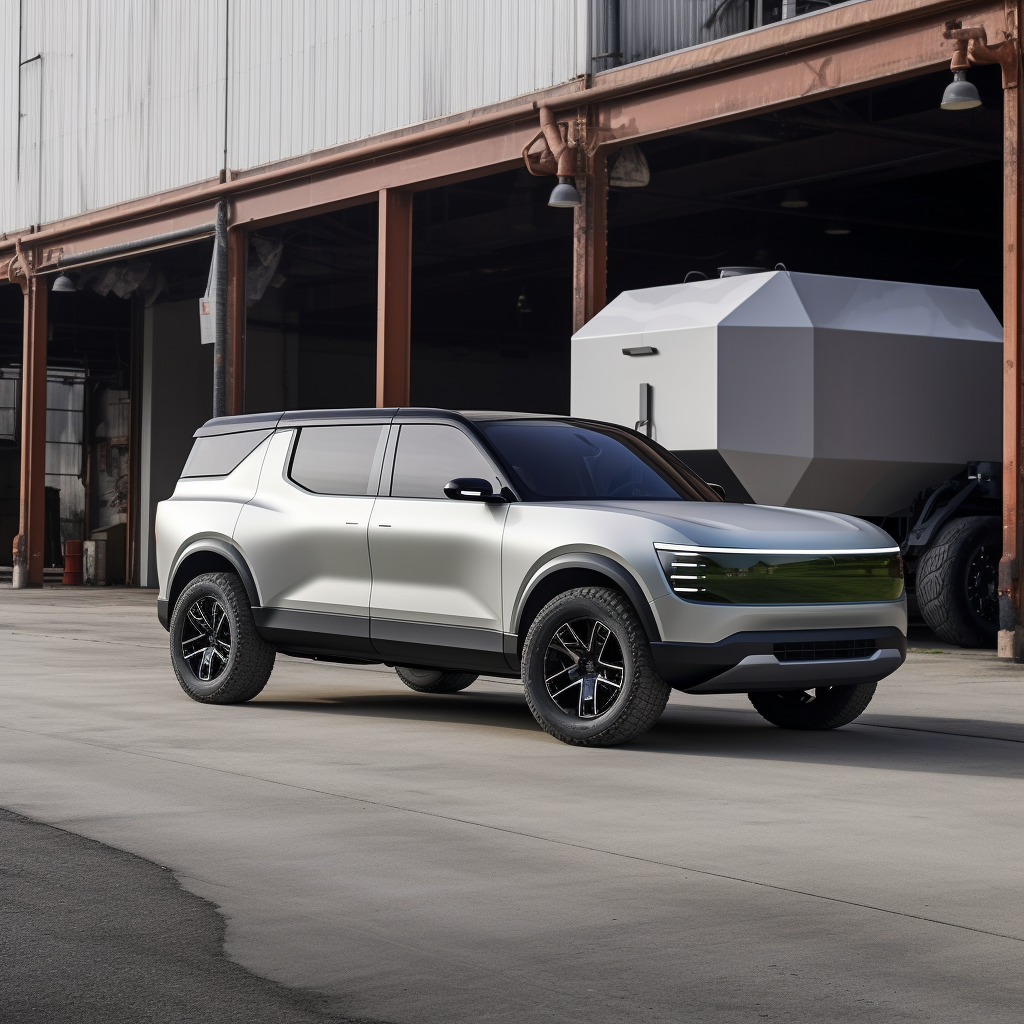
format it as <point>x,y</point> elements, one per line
<point>837,229</point>
<point>629,168</point>
<point>564,194</point>
<point>63,284</point>
<point>523,303</point>
<point>794,200</point>
<point>960,94</point>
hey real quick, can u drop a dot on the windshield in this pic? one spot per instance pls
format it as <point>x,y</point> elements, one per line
<point>572,460</point>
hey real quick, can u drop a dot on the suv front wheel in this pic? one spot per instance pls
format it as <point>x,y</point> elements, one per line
<point>217,655</point>
<point>587,670</point>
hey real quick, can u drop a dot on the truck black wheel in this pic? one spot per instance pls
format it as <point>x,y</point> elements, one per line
<point>957,579</point>
<point>826,707</point>
<point>588,672</point>
<point>217,655</point>
<point>434,680</point>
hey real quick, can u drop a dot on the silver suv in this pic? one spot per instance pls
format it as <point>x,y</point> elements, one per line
<point>579,555</point>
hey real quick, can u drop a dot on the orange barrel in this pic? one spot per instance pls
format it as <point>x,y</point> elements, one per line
<point>72,562</point>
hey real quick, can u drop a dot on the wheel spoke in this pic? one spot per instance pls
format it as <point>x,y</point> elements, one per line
<point>565,689</point>
<point>208,649</point>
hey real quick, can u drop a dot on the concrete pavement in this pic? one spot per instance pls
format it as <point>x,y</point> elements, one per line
<point>425,858</point>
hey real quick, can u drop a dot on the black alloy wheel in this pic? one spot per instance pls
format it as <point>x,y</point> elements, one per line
<point>217,654</point>
<point>588,673</point>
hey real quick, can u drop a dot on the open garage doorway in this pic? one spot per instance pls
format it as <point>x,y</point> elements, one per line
<point>311,324</point>
<point>876,184</point>
<point>491,296</point>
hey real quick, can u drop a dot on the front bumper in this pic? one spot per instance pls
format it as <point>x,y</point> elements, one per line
<point>745,662</point>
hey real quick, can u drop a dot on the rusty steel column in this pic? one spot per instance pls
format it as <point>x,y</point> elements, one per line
<point>28,545</point>
<point>238,257</point>
<point>590,242</point>
<point>394,297</point>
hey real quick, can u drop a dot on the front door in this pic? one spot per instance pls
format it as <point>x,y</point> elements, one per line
<point>305,536</point>
<point>436,562</point>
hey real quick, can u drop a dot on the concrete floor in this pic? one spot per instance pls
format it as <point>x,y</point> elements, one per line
<point>413,858</point>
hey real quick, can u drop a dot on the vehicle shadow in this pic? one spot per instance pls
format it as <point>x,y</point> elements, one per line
<point>914,744</point>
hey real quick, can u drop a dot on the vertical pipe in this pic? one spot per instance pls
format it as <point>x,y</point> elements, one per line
<point>220,263</point>
<point>28,545</point>
<point>590,243</point>
<point>238,253</point>
<point>394,297</point>
<point>1011,635</point>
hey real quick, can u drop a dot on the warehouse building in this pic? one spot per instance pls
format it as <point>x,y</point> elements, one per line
<point>357,193</point>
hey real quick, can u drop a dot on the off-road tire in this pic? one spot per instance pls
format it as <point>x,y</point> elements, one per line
<point>251,658</point>
<point>434,680</point>
<point>643,693</point>
<point>944,577</point>
<point>826,707</point>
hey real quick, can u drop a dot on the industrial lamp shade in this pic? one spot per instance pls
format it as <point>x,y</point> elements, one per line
<point>960,94</point>
<point>564,194</point>
<point>63,284</point>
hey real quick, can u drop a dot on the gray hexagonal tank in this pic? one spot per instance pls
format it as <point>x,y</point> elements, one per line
<point>800,389</point>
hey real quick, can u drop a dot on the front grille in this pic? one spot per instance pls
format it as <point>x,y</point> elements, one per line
<point>825,650</point>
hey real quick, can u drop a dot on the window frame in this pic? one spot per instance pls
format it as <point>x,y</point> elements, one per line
<point>376,465</point>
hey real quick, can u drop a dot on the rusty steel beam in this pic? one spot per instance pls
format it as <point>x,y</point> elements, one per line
<point>845,65</point>
<point>28,545</point>
<point>394,297</point>
<point>590,241</point>
<point>238,253</point>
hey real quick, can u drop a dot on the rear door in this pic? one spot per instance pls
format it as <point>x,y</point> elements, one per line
<point>305,535</point>
<point>436,594</point>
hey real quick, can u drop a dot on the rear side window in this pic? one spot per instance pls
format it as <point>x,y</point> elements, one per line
<point>430,455</point>
<point>338,460</point>
<point>220,454</point>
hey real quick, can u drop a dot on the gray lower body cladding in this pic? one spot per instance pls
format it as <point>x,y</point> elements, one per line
<point>781,660</point>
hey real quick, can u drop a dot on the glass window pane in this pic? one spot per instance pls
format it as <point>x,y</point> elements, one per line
<point>220,454</point>
<point>430,455</point>
<point>565,461</point>
<point>337,460</point>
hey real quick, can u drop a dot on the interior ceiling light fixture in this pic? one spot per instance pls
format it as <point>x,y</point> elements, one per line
<point>628,168</point>
<point>794,200</point>
<point>837,229</point>
<point>564,194</point>
<point>960,94</point>
<point>523,303</point>
<point>63,284</point>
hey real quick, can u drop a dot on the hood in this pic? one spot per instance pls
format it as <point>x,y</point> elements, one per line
<point>727,525</point>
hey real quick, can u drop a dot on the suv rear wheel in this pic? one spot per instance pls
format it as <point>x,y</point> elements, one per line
<point>217,655</point>
<point>826,707</point>
<point>434,680</point>
<point>587,670</point>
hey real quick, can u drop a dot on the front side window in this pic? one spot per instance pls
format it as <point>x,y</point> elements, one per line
<point>220,454</point>
<point>563,460</point>
<point>429,455</point>
<point>338,460</point>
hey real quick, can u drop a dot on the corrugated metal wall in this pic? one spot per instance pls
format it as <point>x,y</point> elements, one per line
<point>127,97</point>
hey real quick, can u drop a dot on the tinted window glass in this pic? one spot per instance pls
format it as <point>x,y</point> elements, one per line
<point>337,460</point>
<point>564,461</point>
<point>430,455</point>
<point>220,454</point>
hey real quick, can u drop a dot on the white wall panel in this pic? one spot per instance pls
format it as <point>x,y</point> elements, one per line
<point>128,98</point>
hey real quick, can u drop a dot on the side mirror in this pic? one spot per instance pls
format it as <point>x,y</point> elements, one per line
<point>469,488</point>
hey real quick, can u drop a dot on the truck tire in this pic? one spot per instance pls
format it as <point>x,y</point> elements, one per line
<point>434,680</point>
<point>217,655</point>
<point>826,707</point>
<point>957,579</point>
<point>591,640</point>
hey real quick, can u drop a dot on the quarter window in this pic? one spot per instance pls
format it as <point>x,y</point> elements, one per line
<point>220,454</point>
<point>429,455</point>
<point>338,460</point>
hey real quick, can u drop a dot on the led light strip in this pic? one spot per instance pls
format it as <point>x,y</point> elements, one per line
<point>693,549</point>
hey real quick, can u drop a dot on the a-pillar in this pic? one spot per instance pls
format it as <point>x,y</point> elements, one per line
<point>28,545</point>
<point>590,242</point>
<point>394,297</point>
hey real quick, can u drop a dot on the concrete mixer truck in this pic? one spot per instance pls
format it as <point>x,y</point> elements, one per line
<point>874,398</point>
